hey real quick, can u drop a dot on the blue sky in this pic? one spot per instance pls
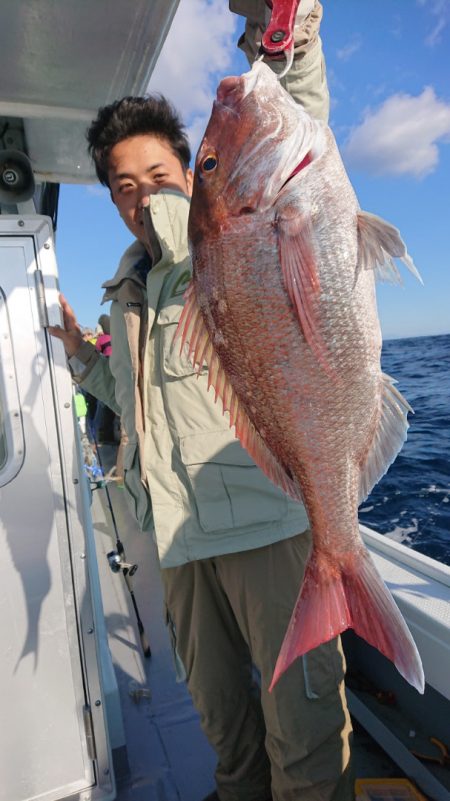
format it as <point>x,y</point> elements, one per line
<point>388,65</point>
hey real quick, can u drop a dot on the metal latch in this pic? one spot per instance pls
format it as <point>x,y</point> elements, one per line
<point>89,730</point>
<point>40,295</point>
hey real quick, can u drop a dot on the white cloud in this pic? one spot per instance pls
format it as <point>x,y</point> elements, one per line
<point>396,26</point>
<point>97,191</point>
<point>198,50</point>
<point>400,137</point>
<point>439,11</point>
<point>348,50</point>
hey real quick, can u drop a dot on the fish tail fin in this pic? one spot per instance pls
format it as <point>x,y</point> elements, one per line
<point>353,595</point>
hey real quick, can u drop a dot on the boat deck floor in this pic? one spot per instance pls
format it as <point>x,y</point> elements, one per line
<point>168,756</point>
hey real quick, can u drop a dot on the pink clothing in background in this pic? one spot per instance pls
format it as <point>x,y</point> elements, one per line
<point>103,344</point>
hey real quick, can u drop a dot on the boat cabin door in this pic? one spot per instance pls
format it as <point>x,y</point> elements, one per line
<point>53,733</point>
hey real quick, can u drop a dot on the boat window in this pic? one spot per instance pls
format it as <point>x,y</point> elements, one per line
<point>11,431</point>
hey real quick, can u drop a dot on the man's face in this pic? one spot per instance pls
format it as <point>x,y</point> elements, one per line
<point>138,167</point>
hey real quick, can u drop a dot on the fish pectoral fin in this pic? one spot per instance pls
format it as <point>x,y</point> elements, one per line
<point>195,336</point>
<point>336,596</point>
<point>389,436</point>
<point>378,243</point>
<point>299,267</point>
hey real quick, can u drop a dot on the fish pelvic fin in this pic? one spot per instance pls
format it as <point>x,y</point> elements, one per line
<point>301,279</point>
<point>194,335</point>
<point>379,243</point>
<point>389,437</point>
<point>335,597</point>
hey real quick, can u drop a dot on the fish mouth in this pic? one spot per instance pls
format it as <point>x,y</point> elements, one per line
<point>233,89</point>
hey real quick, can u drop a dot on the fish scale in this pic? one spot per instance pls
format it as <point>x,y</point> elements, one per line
<point>282,308</point>
<point>246,341</point>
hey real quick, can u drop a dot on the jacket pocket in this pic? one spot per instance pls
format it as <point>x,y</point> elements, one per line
<point>230,490</point>
<point>138,497</point>
<point>323,669</point>
<point>175,362</point>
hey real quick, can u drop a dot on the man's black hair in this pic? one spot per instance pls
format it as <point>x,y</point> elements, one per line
<point>134,116</point>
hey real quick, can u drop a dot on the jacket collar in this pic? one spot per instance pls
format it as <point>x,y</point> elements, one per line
<point>169,216</point>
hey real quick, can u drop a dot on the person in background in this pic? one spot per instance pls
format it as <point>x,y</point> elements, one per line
<point>104,420</point>
<point>81,410</point>
<point>103,341</point>
<point>89,335</point>
<point>232,546</point>
<point>104,346</point>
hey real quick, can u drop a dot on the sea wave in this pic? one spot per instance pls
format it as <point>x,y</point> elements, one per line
<point>411,503</point>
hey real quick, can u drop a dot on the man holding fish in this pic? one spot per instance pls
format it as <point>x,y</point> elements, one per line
<point>233,547</point>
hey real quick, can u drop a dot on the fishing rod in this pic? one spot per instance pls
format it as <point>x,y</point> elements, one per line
<point>117,559</point>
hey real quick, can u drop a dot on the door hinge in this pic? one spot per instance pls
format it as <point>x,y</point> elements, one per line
<point>40,295</point>
<point>89,730</point>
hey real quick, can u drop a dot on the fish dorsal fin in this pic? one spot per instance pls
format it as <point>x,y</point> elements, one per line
<point>378,243</point>
<point>390,434</point>
<point>195,336</point>
<point>301,278</point>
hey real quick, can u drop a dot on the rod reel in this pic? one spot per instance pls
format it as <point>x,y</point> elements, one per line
<point>117,564</point>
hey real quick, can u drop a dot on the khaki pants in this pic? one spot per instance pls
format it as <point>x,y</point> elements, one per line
<point>230,613</point>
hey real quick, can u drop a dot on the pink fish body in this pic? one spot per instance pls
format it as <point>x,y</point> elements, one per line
<point>282,309</point>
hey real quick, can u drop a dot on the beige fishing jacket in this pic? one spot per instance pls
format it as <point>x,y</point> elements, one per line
<point>207,495</point>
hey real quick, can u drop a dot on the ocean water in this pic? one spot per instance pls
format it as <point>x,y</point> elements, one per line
<point>411,503</point>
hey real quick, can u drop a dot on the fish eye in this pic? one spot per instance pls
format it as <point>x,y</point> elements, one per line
<point>209,163</point>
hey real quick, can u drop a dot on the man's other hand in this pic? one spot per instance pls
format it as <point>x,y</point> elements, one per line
<point>71,333</point>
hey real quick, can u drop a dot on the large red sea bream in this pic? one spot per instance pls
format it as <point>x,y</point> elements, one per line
<point>282,309</point>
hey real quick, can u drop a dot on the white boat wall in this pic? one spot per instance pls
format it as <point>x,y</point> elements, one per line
<point>399,719</point>
<point>85,715</point>
<point>60,707</point>
<point>55,667</point>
